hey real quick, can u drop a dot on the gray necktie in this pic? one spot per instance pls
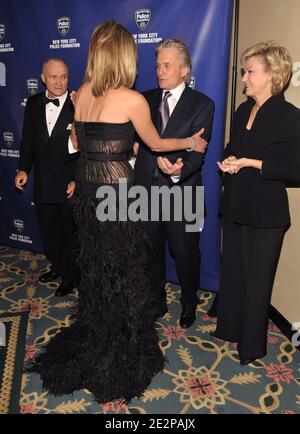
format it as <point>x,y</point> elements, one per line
<point>165,114</point>
<point>164,110</point>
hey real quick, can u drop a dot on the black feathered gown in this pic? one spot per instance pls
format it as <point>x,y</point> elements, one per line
<point>111,348</point>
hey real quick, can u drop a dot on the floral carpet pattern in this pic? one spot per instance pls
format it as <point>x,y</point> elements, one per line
<point>202,374</point>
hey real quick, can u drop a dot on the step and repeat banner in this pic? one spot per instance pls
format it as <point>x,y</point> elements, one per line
<point>32,31</point>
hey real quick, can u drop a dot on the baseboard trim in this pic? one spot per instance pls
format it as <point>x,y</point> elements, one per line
<point>282,323</point>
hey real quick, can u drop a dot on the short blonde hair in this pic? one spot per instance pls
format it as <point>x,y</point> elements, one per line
<point>183,53</point>
<point>112,58</point>
<point>276,59</point>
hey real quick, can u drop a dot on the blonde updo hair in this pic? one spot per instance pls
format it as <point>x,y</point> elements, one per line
<point>112,58</point>
<point>276,59</point>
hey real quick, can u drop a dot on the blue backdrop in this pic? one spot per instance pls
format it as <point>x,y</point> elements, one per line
<point>32,31</point>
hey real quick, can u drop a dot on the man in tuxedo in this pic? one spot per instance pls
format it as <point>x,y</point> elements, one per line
<point>46,129</point>
<point>177,111</point>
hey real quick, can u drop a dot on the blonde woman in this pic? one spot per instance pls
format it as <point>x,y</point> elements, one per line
<point>263,153</point>
<point>111,348</point>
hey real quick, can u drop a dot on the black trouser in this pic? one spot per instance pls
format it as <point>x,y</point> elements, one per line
<point>57,231</point>
<point>249,261</point>
<point>184,247</point>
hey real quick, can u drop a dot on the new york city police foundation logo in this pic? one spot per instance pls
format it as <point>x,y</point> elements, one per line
<point>32,85</point>
<point>192,82</point>
<point>19,225</point>
<point>142,18</point>
<point>8,138</point>
<point>63,25</point>
<point>2,32</point>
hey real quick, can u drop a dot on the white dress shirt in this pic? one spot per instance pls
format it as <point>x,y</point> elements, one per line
<point>175,96</point>
<point>172,101</point>
<point>53,111</point>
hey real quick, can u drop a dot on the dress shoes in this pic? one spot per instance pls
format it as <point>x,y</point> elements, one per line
<point>64,289</point>
<point>188,316</point>
<point>247,361</point>
<point>214,335</point>
<point>48,277</point>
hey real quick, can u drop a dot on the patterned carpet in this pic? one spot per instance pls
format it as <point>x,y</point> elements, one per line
<point>202,375</point>
<point>12,349</point>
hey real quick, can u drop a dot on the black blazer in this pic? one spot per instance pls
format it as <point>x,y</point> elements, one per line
<point>260,199</point>
<point>193,111</point>
<point>54,166</point>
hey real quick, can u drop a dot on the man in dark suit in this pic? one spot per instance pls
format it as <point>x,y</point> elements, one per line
<point>46,129</point>
<point>177,111</point>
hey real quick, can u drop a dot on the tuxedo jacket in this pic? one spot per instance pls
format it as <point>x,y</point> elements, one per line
<point>193,111</point>
<point>259,198</point>
<point>53,165</point>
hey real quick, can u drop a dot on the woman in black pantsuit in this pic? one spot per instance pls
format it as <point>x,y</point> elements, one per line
<point>263,153</point>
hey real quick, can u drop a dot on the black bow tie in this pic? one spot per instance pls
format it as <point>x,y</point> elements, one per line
<point>55,101</point>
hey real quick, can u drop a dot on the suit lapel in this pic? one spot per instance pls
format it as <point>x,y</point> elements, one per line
<point>154,103</point>
<point>43,122</point>
<point>63,118</point>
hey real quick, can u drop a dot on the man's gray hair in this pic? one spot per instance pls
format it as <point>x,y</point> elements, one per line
<point>57,59</point>
<point>183,53</point>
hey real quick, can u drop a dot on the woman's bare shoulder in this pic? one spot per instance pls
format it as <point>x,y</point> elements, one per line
<point>83,98</point>
<point>133,97</point>
<point>84,89</point>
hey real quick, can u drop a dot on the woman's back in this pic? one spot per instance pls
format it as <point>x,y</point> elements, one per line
<point>104,152</point>
<point>105,136</point>
<point>112,107</point>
